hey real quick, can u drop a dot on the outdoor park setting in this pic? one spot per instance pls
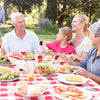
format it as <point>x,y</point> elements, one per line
<point>49,49</point>
<point>46,16</point>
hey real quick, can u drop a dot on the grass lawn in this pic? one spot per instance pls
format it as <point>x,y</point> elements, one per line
<point>45,38</point>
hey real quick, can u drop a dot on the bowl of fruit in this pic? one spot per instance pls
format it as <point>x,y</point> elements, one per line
<point>46,69</point>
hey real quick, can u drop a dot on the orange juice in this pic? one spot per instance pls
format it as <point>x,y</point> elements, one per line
<point>0,45</point>
<point>30,76</point>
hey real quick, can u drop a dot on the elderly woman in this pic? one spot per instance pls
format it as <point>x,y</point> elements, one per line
<point>80,39</point>
<point>91,63</point>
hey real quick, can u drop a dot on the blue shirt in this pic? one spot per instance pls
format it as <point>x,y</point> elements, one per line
<point>30,42</point>
<point>91,63</point>
<point>2,17</point>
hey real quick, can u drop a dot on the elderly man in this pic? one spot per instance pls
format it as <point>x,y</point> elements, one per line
<point>20,39</point>
<point>91,64</point>
<point>2,18</point>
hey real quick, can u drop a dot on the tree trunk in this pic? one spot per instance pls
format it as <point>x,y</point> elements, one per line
<point>23,10</point>
<point>19,7</point>
<point>61,18</point>
<point>90,14</point>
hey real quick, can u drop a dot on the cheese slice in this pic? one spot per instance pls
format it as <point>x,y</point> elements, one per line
<point>74,78</point>
<point>5,69</point>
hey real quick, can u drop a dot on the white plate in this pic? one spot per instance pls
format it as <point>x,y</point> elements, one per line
<point>62,79</point>
<point>29,87</point>
<point>87,93</point>
<point>7,26</point>
<point>9,80</point>
<point>32,96</point>
<point>66,72</point>
<point>26,58</point>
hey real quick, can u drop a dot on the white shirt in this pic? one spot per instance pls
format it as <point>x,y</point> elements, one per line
<point>29,43</point>
<point>85,46</point>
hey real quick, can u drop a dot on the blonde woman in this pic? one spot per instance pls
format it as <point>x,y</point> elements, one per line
<point>61,45</point>
<point>80,39</point>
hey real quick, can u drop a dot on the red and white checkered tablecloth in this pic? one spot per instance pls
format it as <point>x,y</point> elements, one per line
<point>7,89</point>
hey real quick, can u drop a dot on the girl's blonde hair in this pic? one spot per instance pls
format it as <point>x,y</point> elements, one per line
<point>66,31</point>
<point>84,19</point>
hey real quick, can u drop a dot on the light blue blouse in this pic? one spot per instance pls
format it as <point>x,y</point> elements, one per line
<point>91,63</point>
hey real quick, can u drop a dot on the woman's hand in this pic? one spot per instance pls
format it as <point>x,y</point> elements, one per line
<point>82,72</point>
<point>77,58</point>
<point>68,60</point>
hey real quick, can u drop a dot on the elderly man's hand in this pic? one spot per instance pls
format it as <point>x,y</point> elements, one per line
<point>82,72</point>
<point>3,52</point>
<point>15,53</point>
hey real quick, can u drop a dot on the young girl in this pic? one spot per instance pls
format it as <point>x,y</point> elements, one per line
<point>61,45</point>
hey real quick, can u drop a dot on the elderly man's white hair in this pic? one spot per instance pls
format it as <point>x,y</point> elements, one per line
<point>95,28</point>
<point>15,15</point>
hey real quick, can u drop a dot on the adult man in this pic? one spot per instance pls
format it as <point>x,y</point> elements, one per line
<point>20,39</point>
<point>2,18</point>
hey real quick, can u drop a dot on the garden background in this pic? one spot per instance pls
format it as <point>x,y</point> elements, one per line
<point>45,17</point>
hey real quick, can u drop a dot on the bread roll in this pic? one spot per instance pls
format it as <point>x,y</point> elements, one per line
<point>41,86</point>
<point>22,88</point>
<point>36,89</point>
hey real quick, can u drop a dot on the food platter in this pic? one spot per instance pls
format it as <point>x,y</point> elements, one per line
<point>28,96</point>
<point>9,80</point>
<point>61,78</point>
<point>32,96</point>
<point>86,94</point>
<point>70,69</point>
<point>5,26</point>
<point>22,58</point>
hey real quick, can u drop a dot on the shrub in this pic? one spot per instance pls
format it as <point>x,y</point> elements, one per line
<point>69,21</point>
<point>45,26</point>
<point>44,23</point>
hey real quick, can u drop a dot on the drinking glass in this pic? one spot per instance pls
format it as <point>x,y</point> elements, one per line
<point>30,66</point>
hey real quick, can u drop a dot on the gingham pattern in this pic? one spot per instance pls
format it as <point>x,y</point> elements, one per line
<point>7,89</point>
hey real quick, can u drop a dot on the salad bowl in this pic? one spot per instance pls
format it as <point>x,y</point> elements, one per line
<point>46,69</point>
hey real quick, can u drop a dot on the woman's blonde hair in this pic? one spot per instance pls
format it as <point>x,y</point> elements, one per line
<point>85,19</point>
<point>66,31</point>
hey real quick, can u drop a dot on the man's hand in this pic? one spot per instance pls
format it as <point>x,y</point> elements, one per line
<point>15,53</point>
<point>3,52</point>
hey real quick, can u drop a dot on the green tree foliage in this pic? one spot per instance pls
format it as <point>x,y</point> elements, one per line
<point>66,7</point>
<point>89,7</point>
<point>25,5</point>
<point>51,11</point>
<point>96,17</point>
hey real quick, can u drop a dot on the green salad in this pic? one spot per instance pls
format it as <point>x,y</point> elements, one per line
<point>3,59</point>
<point>8,76</point>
